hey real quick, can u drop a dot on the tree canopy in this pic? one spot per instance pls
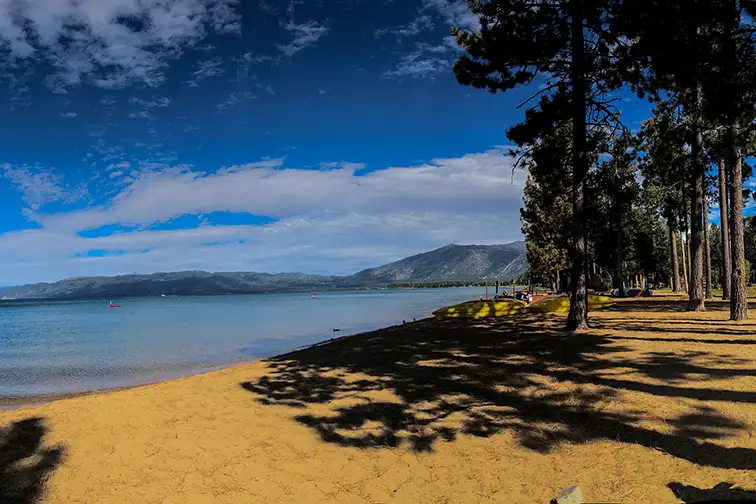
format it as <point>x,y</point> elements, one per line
<point>615,207</point>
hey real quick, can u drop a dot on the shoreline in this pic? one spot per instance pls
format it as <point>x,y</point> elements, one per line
<point>10,403</point>
<point>14,403</point>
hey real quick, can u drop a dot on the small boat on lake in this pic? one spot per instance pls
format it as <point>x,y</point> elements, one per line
<point>113,305</point>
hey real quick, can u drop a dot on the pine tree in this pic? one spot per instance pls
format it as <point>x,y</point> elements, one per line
<point>565,46</point>
<point>675,50</point>
<point>664,165</point>
<point>615,189</point>
<point>733,102</point>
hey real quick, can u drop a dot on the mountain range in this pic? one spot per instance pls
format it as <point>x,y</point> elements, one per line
<point>452,263</point>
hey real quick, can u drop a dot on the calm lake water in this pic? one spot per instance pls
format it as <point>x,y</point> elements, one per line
<point>64,347</point>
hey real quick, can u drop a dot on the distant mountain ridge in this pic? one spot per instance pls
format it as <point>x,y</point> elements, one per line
<point>451,263</point>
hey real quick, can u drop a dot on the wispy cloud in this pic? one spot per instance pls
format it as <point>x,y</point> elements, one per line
<point>207,69</point>
<point>418,25</point>
<point>427,60</point>
<point>303,35</point>
<point>122,164</point>
<point>419,65</point>
<point>140,114</point>
<point>453,12</point>
<point>91,42</point>
<point>68,115</point>
<point>38,186</point>
<point>265,87</point>
<point>236,98</point>
<point>158,102</point>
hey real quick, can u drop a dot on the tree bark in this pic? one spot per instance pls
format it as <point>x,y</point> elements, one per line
<point>724,227</point>
<point>578,316</point>
<point>738,299</point>
<point>684,262</point>
<point>698,171</point>
<point>618,274</point>
<point>707,248</point>
<point>687,256</point>
<point>675,263</point>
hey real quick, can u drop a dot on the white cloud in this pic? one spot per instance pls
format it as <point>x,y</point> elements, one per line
<point>122,164</point>
<point>427,61</point>
<point>37,185</point>
<point>234,99</point>
<point>418,25</point>
<point>157,102</point>
<point>329,221</point>
<point>68,115</point>
<point>303,35</point>
<point>418,65</point>
<point>140,114</point>
<point>322,91</point>
<point>89,41</point>
<point>454,13</point>
<point>207,69</point>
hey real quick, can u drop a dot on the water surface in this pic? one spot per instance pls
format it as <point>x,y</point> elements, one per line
<point>66,347</point>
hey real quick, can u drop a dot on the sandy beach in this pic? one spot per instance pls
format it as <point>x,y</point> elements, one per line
<point>651,405</point>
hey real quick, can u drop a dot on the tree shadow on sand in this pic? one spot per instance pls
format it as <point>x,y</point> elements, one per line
<point>524,375</point>
<point>670,305</point>
<point>24,462</point>
<point>721,493</point>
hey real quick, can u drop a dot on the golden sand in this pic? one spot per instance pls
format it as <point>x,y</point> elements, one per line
<point>652,405</point>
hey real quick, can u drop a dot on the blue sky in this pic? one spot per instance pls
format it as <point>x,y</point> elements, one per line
<point>318,136</point>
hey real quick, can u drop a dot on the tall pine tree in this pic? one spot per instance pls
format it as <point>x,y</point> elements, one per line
<point>566,48</point>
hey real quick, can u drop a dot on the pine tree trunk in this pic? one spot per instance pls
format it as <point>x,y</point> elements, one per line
<point>618,274</point>
<point>707,248</point>
<point>687,257</point>
<point>684,262</point>
<point>738,300</point>
<point>578,315</point>
<point>698,171</point>
<point>675,263</point>
<point>724,227</point>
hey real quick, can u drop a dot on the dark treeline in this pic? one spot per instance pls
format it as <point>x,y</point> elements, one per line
<point>522,280</point>
<point>607,206</point>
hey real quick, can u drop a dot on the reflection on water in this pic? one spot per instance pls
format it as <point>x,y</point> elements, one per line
<point>62,347</point>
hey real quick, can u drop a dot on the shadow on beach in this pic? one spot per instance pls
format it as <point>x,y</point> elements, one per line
<point>721,493</point>
<point>24,461</point>
<point>520,374</point>
<point>674,305</point>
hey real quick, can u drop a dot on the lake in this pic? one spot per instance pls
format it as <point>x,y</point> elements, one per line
<point>58,347</point>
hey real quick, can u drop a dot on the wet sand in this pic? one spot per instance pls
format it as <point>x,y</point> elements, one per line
<point>653,404</point>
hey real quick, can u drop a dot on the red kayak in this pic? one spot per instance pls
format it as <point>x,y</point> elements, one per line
<point>111,305</point>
